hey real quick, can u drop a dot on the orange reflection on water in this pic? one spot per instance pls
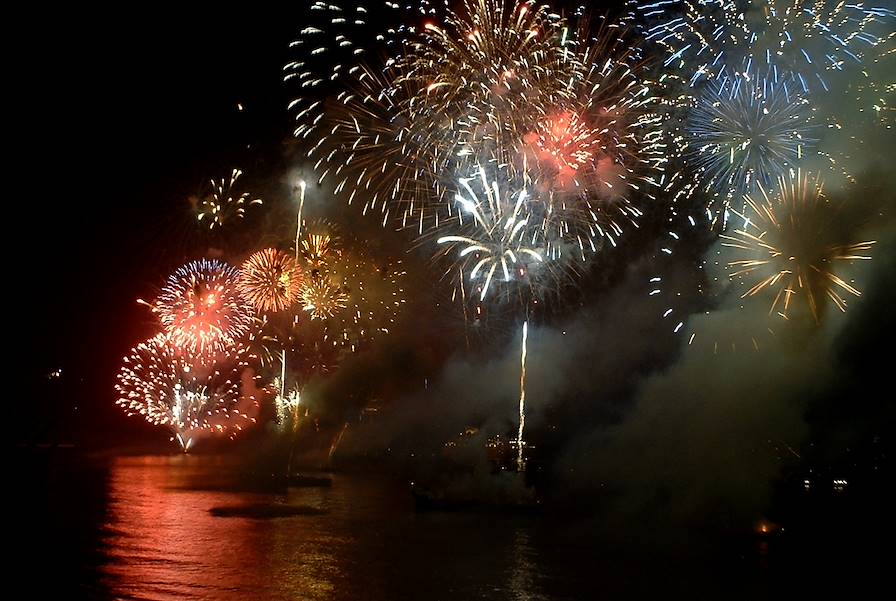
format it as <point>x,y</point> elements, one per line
<point>163,543</point>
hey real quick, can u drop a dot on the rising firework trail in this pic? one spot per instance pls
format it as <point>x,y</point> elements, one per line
<point>519,436</point>
<point>302,186</point>
<point>335,444</point>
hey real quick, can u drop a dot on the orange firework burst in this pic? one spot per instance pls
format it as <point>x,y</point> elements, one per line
<point>319,242</point>
<point>374,296</point>
<point>322,298</point>
<point>321,295</point>
<point>315,248</point>
<point>792,242</point>
<point>201,307</point>
<point>350,297</point>
<point>271,280</point>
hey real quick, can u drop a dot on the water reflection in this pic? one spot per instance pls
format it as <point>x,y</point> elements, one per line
<point>161,542</point>
<point>523,566</point>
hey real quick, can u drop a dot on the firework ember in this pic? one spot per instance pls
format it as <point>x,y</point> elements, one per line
<point>225,203</point>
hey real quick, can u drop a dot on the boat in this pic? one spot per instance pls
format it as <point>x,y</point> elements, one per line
<point>307,481</point>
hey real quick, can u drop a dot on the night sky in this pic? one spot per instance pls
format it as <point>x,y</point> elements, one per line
<point>134,116</point>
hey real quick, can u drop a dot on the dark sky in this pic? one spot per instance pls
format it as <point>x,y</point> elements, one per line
<point>128,116</point>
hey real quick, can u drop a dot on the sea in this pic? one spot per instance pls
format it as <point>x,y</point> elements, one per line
<point>149,527</point>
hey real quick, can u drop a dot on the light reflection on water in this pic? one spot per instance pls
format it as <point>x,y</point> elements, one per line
<point>161,542</point>
<point>158,541</point>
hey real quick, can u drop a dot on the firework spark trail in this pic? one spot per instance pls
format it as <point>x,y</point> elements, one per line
<point>809,38</point>
<point>283,373</point>
<point>169,385</point>
<point>335,444</point>
<point>270,280</point>
<point>497,232</point>
<point>225,203</point>
<point>789,241</point>
<point>302,186</point>
<point>519,437</point>
<point>201,307</point>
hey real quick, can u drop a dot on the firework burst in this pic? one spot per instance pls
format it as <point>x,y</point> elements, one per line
<point>501,83</point>
<point>789,243</point>
<point>270,280</point>
<point>401,129</point>
<point>172,386</point>
<point>352,296</point>
<point>598,155</point>
<point>201,307</point>
<point>483,75</point>
<point>512,87</point>
<point>498,242</point>
<point>316,246</point>
<point>744,132</point>
<point>323,299</point>
<point>374,296</point>
<point>225,202</point>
